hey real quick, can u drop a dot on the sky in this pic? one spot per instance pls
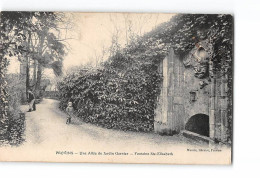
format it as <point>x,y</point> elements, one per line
<point>93,32</point>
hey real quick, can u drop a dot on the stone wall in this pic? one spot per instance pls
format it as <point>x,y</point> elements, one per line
<point>183,95</point>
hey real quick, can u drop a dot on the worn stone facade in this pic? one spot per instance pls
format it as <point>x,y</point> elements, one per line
<point>192,97</point>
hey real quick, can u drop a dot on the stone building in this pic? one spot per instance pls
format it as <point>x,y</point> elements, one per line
<point>192,98</point>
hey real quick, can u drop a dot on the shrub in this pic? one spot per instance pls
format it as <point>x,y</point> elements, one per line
<point>16,119</point>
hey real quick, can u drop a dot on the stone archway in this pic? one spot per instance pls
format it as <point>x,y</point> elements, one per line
<point>198,123</point>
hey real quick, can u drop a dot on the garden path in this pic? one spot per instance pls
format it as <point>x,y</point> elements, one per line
<point>47,127</point>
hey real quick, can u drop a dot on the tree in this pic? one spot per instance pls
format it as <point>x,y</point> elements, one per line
<point>13,43</point>
<point>27,37</point>
<point>48,49</point>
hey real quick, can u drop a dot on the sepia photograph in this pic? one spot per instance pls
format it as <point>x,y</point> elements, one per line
<point>153,88</point>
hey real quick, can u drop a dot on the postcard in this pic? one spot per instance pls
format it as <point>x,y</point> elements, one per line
<point>151,88</point>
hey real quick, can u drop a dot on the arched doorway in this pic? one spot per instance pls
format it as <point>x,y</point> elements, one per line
<point>198,123</point>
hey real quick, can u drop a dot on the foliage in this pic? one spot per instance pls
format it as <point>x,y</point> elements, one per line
<point>17,30</point>
<point>15,90</point>
<point>34,36</point>
<point>123,93</point>
<point>15,124</point>
<point>111,98</point>
<point>16,27</point>
<point>11,44</point>
<point>15,130</point>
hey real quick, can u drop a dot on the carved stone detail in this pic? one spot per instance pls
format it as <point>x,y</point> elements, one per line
<point>199,59</point>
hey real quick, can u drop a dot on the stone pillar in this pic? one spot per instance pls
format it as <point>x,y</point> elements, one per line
<point>176,111</point>
<point>170,110</point>
<point>223,104</point>
<point>218,109</point>
<point>165,91</point>
<point>161,112</point>
<point>212,108</point>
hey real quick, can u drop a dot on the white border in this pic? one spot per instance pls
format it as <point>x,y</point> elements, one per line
<point>246,92</point>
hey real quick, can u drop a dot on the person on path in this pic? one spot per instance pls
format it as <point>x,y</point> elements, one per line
<point>31,100</point>
<point>69,111</point>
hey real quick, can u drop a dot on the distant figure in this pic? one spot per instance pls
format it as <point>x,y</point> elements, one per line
<point>34,105</point>
<point>31,101</point>
<point>69,111</point>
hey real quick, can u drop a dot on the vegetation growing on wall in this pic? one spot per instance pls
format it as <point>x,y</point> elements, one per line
<point>122,94</point>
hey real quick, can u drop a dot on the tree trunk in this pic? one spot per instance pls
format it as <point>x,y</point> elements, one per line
<point>28,66</point>
<point>27,75</point>
<point>39,69</point>
<point>34,73</point>
<point>38,80</point>
<point>34,66</point>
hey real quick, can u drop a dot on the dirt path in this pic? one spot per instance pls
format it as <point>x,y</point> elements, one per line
<point>48,126</point>
<point>49,138</point>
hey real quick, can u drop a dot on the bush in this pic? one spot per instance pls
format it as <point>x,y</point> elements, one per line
<point>15,130</point>
<point>16,119</point>
<point>112,98</point>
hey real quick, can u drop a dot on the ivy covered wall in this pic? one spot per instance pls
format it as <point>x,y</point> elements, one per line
<point>122,94</point>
